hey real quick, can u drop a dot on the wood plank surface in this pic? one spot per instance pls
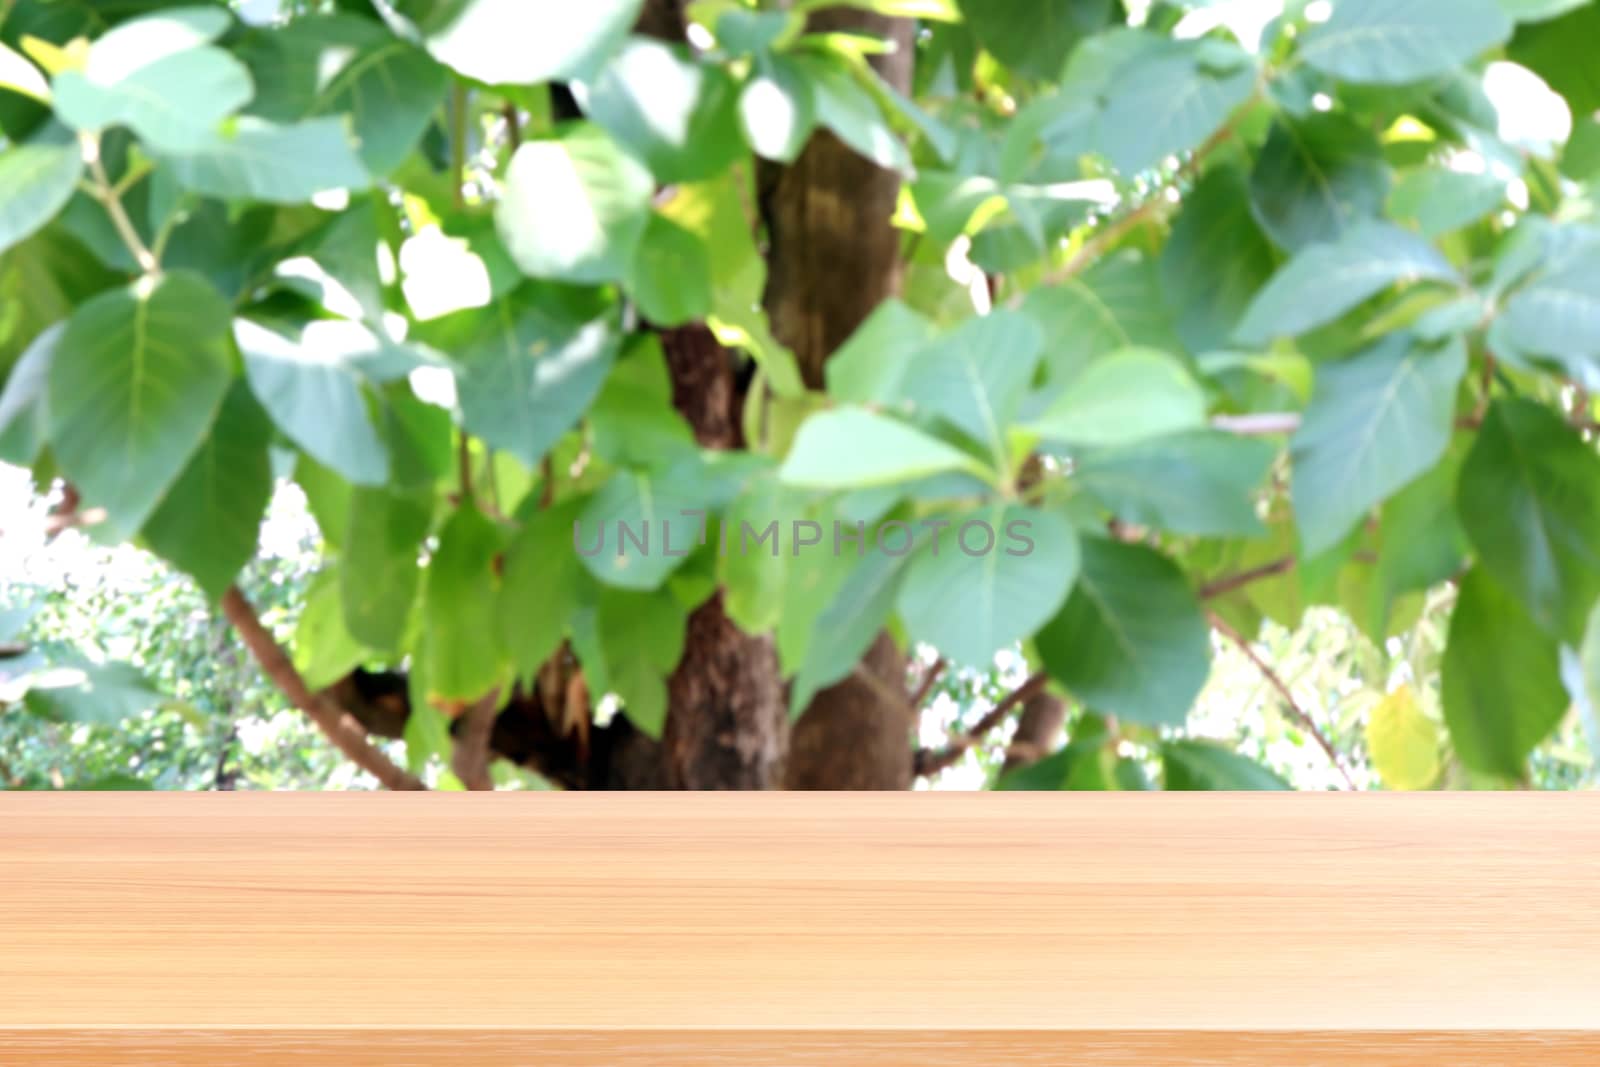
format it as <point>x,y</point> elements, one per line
<point>781,928</point>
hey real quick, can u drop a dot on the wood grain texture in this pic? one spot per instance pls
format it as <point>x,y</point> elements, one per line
<point>771,928</point>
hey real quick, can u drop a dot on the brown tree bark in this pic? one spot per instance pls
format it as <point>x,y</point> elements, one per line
<point>832,258</point>
<point>1043,716</point>
<point>727,718</point>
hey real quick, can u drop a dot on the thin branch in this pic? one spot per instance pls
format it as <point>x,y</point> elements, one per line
<point>1298,713</point>
<point>339,725</point>
<point>471,758</point>
<point>929,680</point>
<point>108,195</point>
<point>931,761</point>
<point>1103,240</point>
<point>458,146</point>
<point>1267,424</point>
<point>1159,199</point>
<point>1234,582</point>
<point>1276,423</point>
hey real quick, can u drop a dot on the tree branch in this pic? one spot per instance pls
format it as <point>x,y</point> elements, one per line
<point>1298,713</point>
<point>1234,582</point>
<point>929,680</point>
<point>340,727</point>
<point>927,762</point>
<point>472,755</point>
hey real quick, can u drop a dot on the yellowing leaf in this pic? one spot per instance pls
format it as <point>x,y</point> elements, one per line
<point>1404,742</point>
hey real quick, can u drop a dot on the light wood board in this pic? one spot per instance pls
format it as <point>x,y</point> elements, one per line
<point>780,928</point>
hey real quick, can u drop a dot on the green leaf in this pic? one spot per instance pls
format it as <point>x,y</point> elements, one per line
<point>1034,37</point>
<point>378,572</point>
<point>1202,483</point>
<point>1377,421</point>
<point>1441,200</point>
<point>1317,178</point>
<point>1539,10</point>
<point>1200,766</point>
<point>461,625</point>
<point>37,178</point>
<point>530,365</point>
<point>633,423</point>
<point>210,521</point>
<point>427,737</point>
<point>642,638</point>
<point>1215,261</point>
<point>543,585</point>
<point>1127,397</point>
<point>1529,499</point>
<point>849,109</point>
<point>1386,43</point>
<point>327,498</point>
<point>574,207</point>
<point>1324,281</point>
<point>754,571</point>
<point>1501,679</point>
<point>935,10</point>
<point>871,365</point>
<point>664,514</point>
<point>258,160</point>
<point>1131,641</point>
<point>324,651</point>
<point>1167,102</point>
<point>135,384</point>
<point>852,448</point>
<point>1404,742</point>
<point>317,397</point>
<point>1115,304</point>
<point>777,109</point>
<point>23,422</point>
<point>505,42</point>
<point>975,376</point>
<point>134,44</point>
<point>1420,540</point>
<point>91,694</point>
<point>677,114</point>
<point>175,104</point>
<point>751,33</point>
<point>342,65</point>
<point>1559,51</point>
<point>856,611</point>
<point>1556,316</point>
<point>671,274</point>
<point>971,604</point>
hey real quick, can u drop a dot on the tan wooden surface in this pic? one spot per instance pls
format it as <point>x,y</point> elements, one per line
<point>785,929</point>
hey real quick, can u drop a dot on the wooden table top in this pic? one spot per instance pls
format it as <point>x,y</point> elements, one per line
<point>783,928</point>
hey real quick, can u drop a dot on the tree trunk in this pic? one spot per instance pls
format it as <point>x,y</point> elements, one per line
<point>727,718</point>
<point>832,258</point>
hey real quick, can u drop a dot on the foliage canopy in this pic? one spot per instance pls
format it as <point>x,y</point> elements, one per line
<point>1240,316</point>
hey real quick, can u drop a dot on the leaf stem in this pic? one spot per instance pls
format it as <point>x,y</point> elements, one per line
<point>111,198</point>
